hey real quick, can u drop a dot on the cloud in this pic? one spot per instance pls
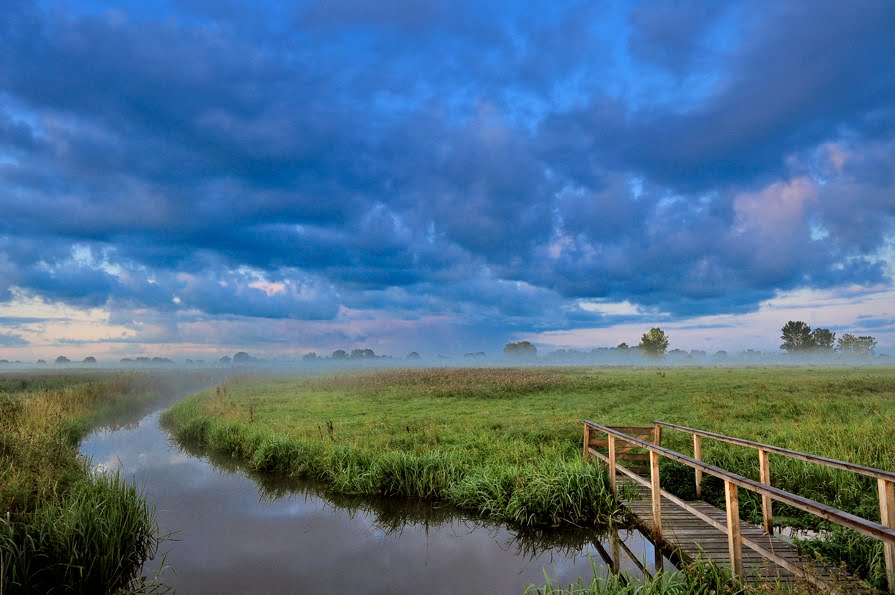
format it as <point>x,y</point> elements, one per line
<point>12,340</point>
<point>426,161</point>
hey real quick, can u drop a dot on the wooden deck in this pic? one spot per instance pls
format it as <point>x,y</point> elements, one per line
<point>695,530</point>
<point>691,538</point>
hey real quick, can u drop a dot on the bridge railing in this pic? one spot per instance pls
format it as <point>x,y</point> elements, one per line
<point>732,482</point>
<point>885,479</point>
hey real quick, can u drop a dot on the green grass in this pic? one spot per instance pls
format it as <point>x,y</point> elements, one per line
<point>62,529</point>
<point>506,442</point>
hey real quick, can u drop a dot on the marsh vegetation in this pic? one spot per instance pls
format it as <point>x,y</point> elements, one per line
<point>505,442</point>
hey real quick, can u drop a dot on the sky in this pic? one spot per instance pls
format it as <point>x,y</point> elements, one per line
<point>195,177</point>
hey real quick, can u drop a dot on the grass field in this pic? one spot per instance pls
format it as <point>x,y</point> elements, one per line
<point>63,529</point>
<point>506,442</point>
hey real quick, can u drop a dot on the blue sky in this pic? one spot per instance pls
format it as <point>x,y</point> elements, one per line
<point>197,177</point>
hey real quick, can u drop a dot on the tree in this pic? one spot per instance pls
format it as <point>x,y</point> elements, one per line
<point>62,360</point>
<point>224,360</point>
<point>823,339</point>
<point>89,360</point>
<point>851,344</point>
<point>654,342</point>
<point>310,357</point>
<point>520,349</point>
<point>362,354</point>
<point>339,354</point>
<point>796,336</point>
<point>623,346</point>
<point>413,355</point>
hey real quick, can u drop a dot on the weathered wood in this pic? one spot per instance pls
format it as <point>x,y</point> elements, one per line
<point>612,472</point>
<point>802,456</point>
<point>586,439</point>
<point>657,434</point>
<point>887,518</point>
<point>829,513</point>
<point>767,510</point>
<point>656,492</point>
<point>734,537</point>
<point>697,454</point>
<point>632,431</point>
<point>696,529</point>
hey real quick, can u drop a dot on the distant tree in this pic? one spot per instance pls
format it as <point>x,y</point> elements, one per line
<point>339,354</point>
<point>654,342</point>
<point>162,360</point>
<point>520,349</point>
<point>125,360</point>
<point>224,360</point>
<point>697,354</point>
<point>474,354</point>
<point>823,339</point>
<point>677,353</point>
<point>796,336</point>
<point>413,355</point>
<point>720,354</point>
<point>62,360</point>
<point>623,346</point>
<point>41,361</point>
<point>362,354</point>
<point>243,358</point>
<point>89,360</point>
<point>310,357</point>
<point>850,344</point>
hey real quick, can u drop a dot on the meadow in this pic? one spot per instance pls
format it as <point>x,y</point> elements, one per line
<point>506,442</point>
<point>63,528</point>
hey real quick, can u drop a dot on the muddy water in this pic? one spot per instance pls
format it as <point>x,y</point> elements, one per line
<point>239,533</point>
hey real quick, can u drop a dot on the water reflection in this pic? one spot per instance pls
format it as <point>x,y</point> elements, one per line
<point>237,531</point>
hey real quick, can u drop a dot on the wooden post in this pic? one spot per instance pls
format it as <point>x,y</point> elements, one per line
<point>887,518</point>
<point>656,492</point>
<point>767,509</point>
<point>657,435</point>
<point>697,454</point>
<point>734,537</point>
<point>616,551</point>
<point>612,486</point>
<point>586,440</point>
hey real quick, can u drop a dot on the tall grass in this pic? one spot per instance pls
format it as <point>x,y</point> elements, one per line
<point>507,442</point>
<point>62,529</point>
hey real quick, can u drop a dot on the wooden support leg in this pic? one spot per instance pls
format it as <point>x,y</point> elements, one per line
<point>656,492</point>
<point>734,537</point>
<point>612,486</point>
<point>767,510</point>
<point>887,518</point>
<point>586,440</point>
<point>697,454</point>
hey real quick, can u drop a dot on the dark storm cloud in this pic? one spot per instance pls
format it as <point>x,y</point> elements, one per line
<point>493,163</point>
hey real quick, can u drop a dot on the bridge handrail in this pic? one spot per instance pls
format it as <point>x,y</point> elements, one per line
<point>829,513</point>
<point>795,454</point>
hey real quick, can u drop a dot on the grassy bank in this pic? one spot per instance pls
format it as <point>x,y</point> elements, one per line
<point>506,442</point>
<point>61,528</point>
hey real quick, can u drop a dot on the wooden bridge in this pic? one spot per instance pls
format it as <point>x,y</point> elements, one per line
<point>695,529</point>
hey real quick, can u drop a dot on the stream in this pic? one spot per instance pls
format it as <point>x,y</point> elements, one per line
<point>236,532</point>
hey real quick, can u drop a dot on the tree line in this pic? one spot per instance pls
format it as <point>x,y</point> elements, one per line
<point>799,338</point>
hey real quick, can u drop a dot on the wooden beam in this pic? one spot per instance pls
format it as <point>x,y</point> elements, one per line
<point>734,537</point>
<point>586,439</point>
<point>767,509</point>
<point>887,518</point>
<point>612,486</point>
<point>656,492</point>
<point>697,454</point>
<point>777,450</point>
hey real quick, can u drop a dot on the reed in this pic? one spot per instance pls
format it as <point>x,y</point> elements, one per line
<point>506,442</point>
<point>62,528</point>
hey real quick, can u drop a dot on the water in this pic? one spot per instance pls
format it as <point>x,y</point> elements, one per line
<point>239,533</point>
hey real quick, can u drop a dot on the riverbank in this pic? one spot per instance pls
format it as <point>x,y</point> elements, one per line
<point>505,443</point>
<point>63,528</point>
